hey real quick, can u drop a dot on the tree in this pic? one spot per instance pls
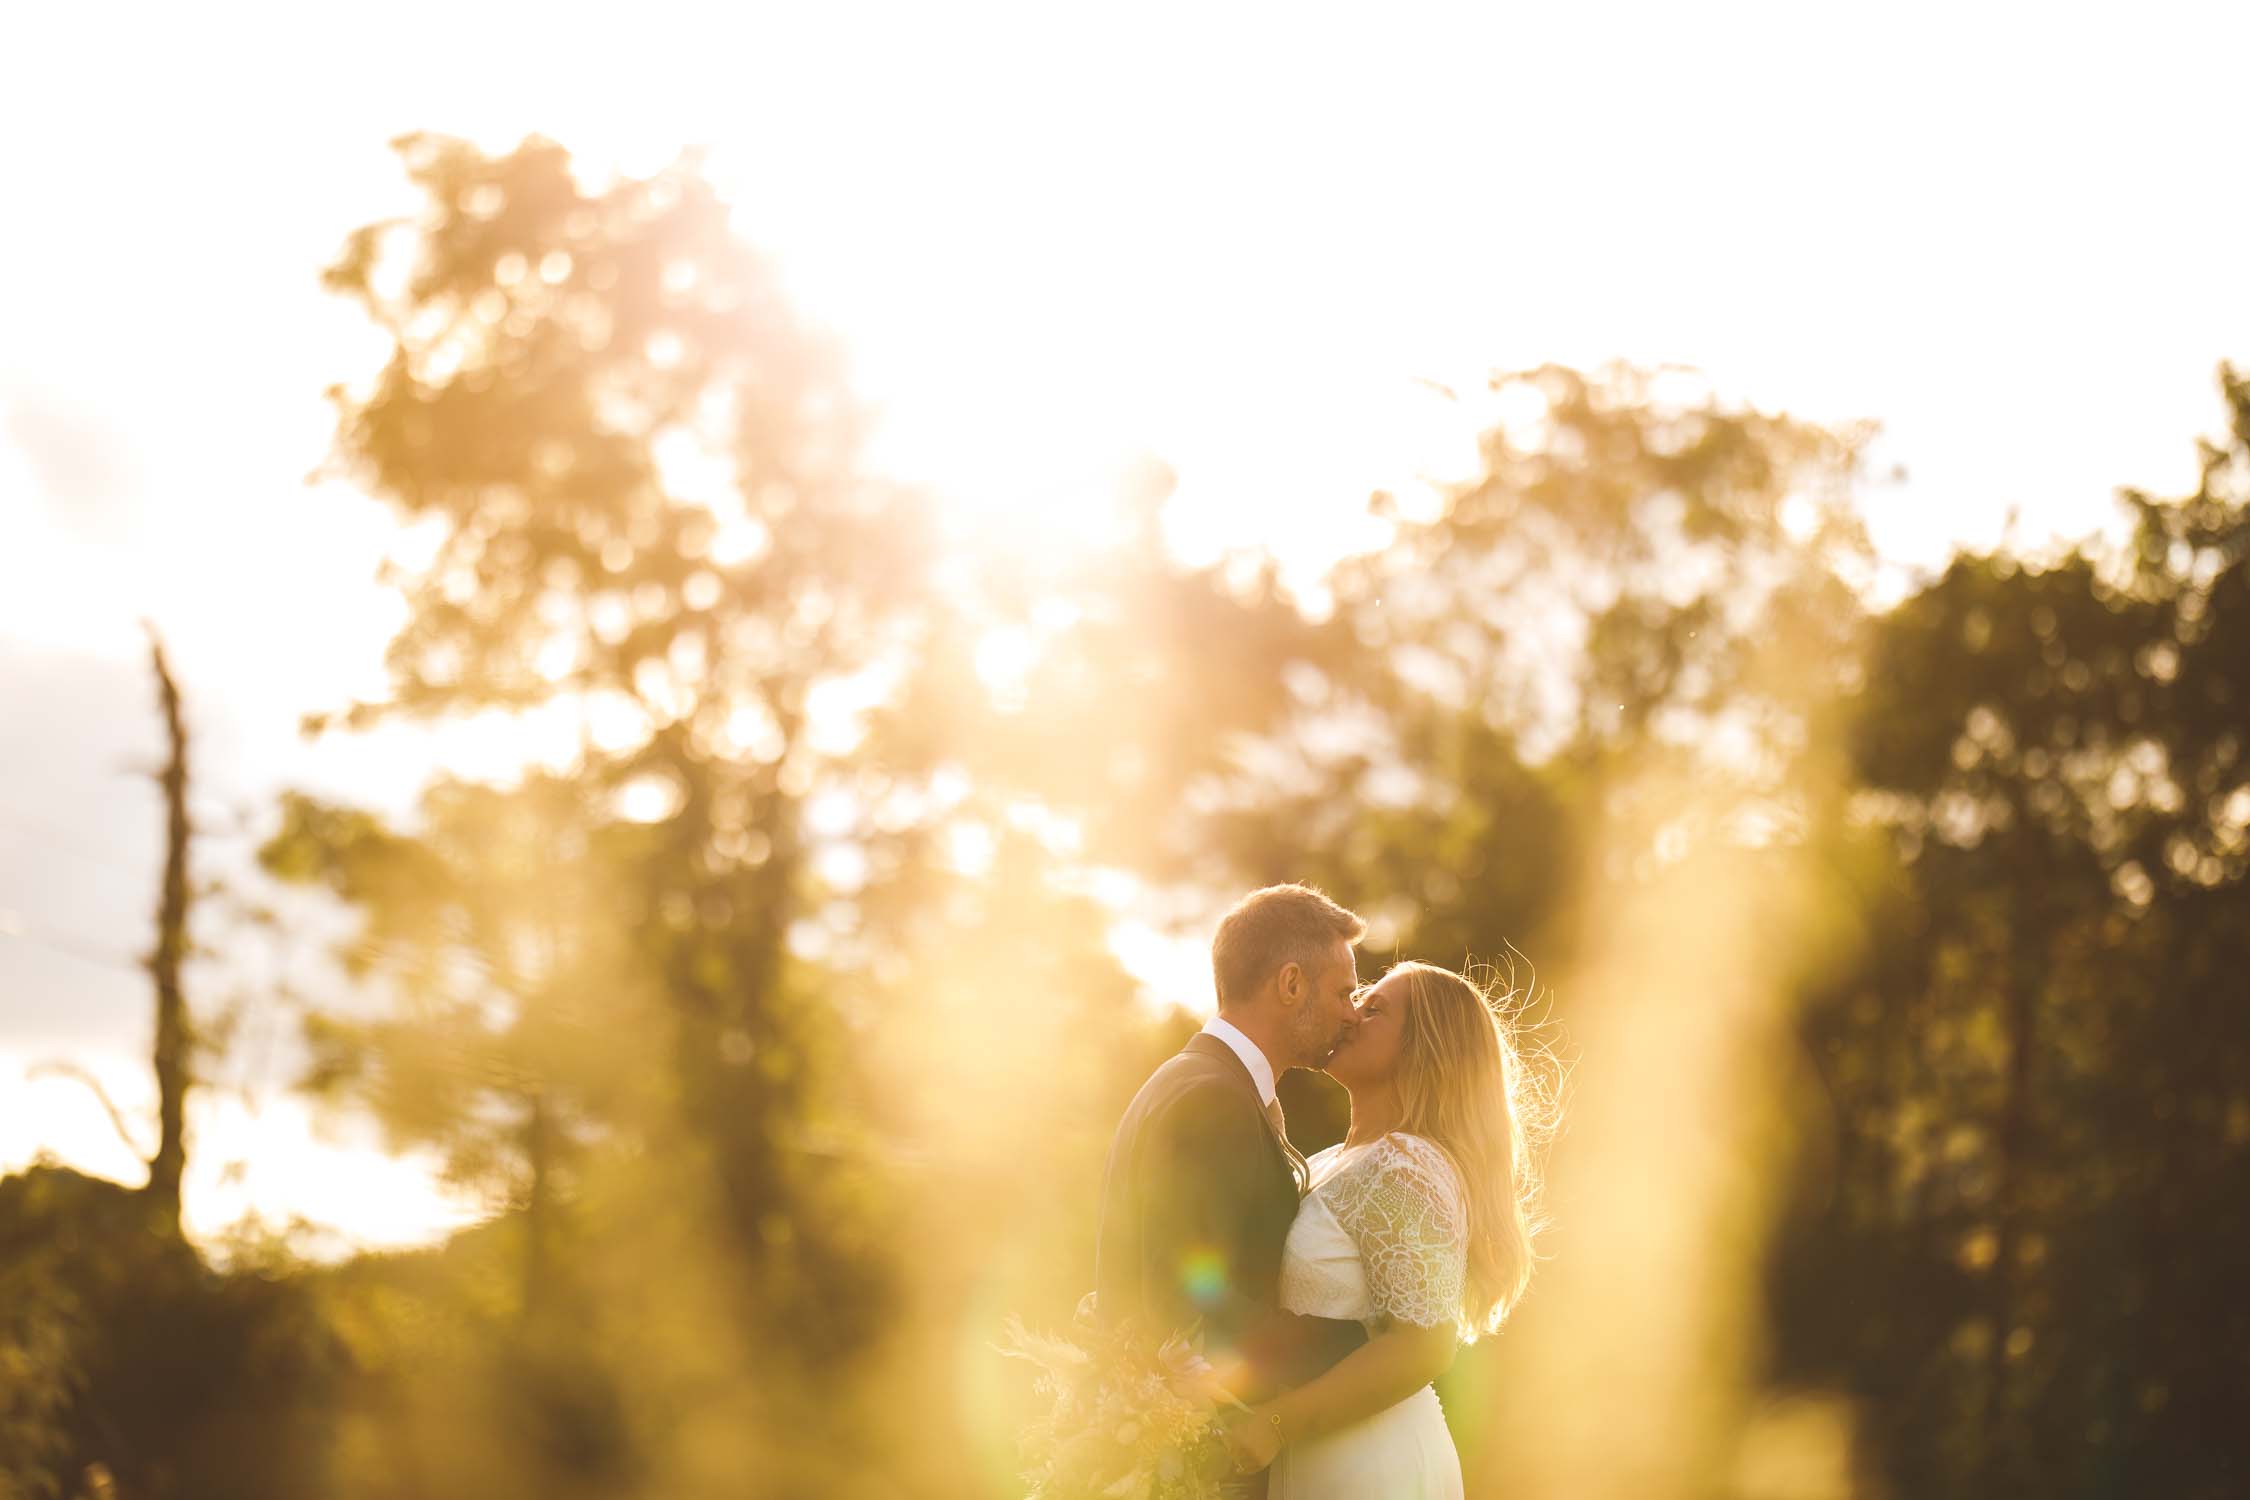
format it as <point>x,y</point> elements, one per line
<point>637,473</point>
<point>129,1362</point>
<point>514,1028</point>
<point>1624,631</point>
<point>2038,1133</point>
<point>171,1053</point>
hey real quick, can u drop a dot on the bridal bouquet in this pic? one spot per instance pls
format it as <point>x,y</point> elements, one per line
<point>1128,1421</point>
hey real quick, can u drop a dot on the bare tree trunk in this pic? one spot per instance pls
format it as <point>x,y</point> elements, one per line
<point>172,1040</point>
<point>2026,979</point>
<point>537,1210</point>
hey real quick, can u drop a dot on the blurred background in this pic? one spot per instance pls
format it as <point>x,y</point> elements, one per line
<point>637,651</point>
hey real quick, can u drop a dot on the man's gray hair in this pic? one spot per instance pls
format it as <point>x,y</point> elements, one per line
<point>1279,925</point>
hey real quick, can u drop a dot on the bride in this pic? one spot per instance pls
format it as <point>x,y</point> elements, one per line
<point>1419,1225</point>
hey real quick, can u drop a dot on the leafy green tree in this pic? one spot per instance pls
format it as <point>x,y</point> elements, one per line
<point>2013,1254</point>
<point>712,939</point>
<point>637,476</point>
<point>514,1030</point>
<point>131,1363</point>
<point>1623,631</point>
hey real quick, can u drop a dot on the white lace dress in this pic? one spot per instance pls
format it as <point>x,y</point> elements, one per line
<point>1382,1235</point>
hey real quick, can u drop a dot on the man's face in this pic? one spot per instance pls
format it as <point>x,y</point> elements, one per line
<point>1325,1016</point>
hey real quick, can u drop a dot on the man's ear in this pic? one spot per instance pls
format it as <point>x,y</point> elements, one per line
<point>1291,982</point>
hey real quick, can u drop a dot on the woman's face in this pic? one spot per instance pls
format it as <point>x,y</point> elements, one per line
<point>1369,1054</point>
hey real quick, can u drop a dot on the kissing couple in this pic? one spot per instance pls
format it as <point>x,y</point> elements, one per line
<point>1332,1291</point>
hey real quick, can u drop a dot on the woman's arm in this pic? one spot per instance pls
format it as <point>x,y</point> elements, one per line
<point>1403,1209</point>
<point>1291,1349</point>
<point>1385,1371</point>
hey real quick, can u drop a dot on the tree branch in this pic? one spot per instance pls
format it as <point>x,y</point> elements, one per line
<point>71,1070</point>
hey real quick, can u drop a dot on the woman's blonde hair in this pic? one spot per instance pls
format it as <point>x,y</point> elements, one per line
<point>1464,1082</point>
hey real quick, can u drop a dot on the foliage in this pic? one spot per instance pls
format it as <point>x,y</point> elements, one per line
<point>2037,1163</point>
<point>127,1358</point>
<point>1126,1420</point>
<point>775,1012</point>
<point>640,473</point>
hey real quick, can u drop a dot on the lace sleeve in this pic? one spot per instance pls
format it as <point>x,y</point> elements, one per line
<point>1403,1208</point>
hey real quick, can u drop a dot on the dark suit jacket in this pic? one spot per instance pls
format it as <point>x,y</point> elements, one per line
<point>1197,1200</point>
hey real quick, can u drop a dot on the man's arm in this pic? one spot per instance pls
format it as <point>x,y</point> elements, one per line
<point>1209,1150</point>
<point>1205,1147</point>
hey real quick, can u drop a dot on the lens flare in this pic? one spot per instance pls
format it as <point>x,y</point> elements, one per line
<point>1204,1276</point>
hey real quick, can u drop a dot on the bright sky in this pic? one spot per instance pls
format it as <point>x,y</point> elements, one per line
<point>1234,237</point>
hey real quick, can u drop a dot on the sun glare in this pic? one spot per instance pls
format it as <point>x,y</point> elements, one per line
<point>720,707</point>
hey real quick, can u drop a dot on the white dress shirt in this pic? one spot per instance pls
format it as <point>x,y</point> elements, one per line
<point>1261,1070</point>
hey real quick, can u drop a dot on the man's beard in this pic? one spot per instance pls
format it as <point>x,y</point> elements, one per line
<point>1315,1039</point>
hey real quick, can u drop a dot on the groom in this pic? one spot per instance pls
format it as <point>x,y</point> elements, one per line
<point>1202,1183</point>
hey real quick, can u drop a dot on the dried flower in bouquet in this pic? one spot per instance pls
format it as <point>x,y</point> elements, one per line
<point>1128,1419</point>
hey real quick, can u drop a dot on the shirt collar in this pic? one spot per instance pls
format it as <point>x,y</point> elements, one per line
<point>1261,1069</point>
